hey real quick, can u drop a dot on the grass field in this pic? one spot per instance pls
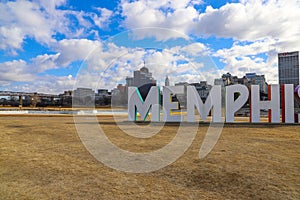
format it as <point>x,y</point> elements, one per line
<point>43,158</point>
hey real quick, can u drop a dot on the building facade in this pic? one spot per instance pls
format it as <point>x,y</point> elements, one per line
<point>248,80</point>
<point>167,81</point>
<point>203,89</point>
<point>288,68</point>
<point>142,77</point>
<point>254,79</point>
<point>83,97</point>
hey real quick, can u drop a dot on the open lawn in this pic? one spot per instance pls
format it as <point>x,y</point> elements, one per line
<point>43,158</point>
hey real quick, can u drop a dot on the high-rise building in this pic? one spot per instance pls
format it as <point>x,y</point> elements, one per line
<point>167,81</point>
<point>140,77</point>
<point>288,68</point>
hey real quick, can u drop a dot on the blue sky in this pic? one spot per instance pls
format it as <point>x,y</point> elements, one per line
<point>56,45</point>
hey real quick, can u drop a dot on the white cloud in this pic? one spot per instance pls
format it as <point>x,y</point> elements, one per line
<point>102,19</point>
<point>75,49</point>
<point>195,49</point>
<point>258,56</point>
<point>27,19</point>
<point>251,20</point>
<point>11,37</point>
<point>247,20</point>
<point>42,20</point>
<point>256,26</point>
<point>166,14</point>
<point>44,62</point>
<point>269,26</point>
<point>45,84</point>
<point>15,71</point>
<point>104,66</point>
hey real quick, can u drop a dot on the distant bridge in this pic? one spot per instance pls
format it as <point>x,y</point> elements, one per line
<point>33,95</point>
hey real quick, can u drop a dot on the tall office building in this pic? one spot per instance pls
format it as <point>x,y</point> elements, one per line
<point>288,68</point>
<point>140,77</point>
<point>167,81</point>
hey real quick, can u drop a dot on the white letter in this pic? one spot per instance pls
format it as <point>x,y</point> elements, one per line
<point>297,94</point>
<point>234,105</point>
<point>287,103</point>
<point>213,100</point>
<point>168,105</point>
<point>272,105</point>
<point>137,104</point>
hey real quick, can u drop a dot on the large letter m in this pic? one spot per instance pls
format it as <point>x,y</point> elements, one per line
<point>136,104</point>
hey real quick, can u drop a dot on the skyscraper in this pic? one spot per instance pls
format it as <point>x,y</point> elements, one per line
<point>288,68</point>
<point>142,77</point>
<point>167,81</point>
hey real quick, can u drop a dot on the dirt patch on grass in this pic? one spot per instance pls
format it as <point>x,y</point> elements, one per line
<point>43,158</point>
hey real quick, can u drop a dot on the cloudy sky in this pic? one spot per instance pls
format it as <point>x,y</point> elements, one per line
<point>56,45</point>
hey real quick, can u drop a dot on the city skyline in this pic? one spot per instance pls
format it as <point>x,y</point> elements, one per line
<point>128,81</point>
<point>45,45</point>
<point>142,79</point>
<point>100,90</point>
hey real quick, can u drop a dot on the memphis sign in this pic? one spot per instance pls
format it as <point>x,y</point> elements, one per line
<point>139,107</point>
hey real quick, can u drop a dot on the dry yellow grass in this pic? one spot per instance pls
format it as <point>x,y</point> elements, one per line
<point>43,158</point>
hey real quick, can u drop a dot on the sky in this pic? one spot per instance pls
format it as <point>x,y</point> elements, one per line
<point>57,45</point>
